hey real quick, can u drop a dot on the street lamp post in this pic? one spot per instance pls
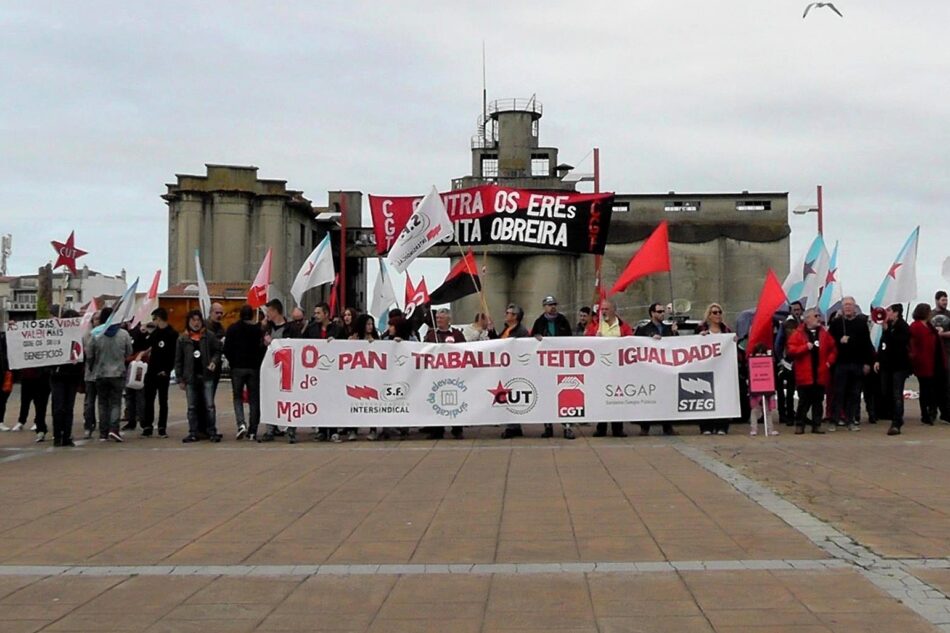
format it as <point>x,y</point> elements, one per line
<point>819,209</point>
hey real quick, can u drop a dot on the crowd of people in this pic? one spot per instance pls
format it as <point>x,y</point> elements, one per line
<point>829,368</point>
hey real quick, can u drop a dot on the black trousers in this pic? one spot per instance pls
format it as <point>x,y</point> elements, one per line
<point>810,398</point>
<point>786,395</point>
<point>849,379</point>
<point>35,391</point>
<point>63,400</point>
<point>892,393</point>
<point>4,396</point>
<point>156,386</point>
<point>667,428</point>
<point>616,428</point>
<point>928,399</point>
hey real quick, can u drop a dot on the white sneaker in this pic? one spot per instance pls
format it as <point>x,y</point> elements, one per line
<point>351,436</point>
<point>720,432</point>
<point>4,428</point>
<point>371,436</point>
<point>33,428</point>
<point>17,427</point>
<point>773,433</point>
<point>753,432</point>
<point>707,432</point>
<point>40,437</point>
<point>335,438</point>
<point>241,432</point>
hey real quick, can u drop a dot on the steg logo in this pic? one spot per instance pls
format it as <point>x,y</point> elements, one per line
<point>697,391</point>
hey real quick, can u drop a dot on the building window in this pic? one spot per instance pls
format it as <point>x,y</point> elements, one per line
<point>540,165</point>
<point>681,206</point>
<point>620,207</point>
<point>303,235</point>
<point>754,205</point>
<point>490,166</point>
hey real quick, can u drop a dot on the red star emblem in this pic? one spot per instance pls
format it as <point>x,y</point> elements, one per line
<point>68,253</point>
<point>892,273</point>
<point>831,277</point>
<point>808,269</point>
<point>500,394</point>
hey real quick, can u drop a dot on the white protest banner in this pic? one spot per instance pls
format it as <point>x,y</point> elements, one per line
<point>386,383</point>
<point>44,342</point>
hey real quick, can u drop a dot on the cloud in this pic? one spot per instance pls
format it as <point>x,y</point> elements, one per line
<point>105,102</point>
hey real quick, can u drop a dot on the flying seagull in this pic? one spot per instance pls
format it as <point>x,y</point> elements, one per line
<point>819,5</point>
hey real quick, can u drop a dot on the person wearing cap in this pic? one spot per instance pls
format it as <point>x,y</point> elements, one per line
<point>443,332</point>
<point>552,323</point>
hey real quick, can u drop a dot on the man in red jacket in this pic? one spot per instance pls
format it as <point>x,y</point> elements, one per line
<point>812,351</point>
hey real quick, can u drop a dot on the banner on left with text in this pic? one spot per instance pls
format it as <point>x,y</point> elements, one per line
<point>44,342</point>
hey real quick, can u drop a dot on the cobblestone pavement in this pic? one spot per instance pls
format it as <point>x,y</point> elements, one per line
<point>842,532</point>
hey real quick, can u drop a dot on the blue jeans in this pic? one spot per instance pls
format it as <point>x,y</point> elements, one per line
<point>201,394</point>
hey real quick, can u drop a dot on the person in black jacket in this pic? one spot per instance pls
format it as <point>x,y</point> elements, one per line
<point>855,357</point>
<point>244,349</point>
<point>4,394</point>
<point>64,383</point>
<point>893,364</point>
<point>655,328</point>
<point>162,341</point>
<point>553,323</point>
<point>197,357</point>
<point>135,398</point>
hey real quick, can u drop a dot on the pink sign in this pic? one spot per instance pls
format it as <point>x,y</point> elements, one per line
<point>761,374</point>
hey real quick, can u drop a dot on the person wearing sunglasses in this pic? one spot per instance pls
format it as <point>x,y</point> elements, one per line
<point>713,324</point>
<point>657,329</point>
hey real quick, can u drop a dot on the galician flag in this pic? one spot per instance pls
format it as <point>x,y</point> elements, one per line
<point>316,271</point>
<point>805,279</point>
<point>831,295</point>
<point>90,312</point>
<point>428,225</point>
<point>900,282</point>
<point>204,297</point>
<point>149,303</point>
<point>383,296</point>
<point>121,311</point>
<point>257,293</point>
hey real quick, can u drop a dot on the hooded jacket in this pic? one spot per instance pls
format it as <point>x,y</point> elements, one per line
<point>109,351</point>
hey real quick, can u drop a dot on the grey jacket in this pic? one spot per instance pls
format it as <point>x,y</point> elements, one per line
<point>107,353</point>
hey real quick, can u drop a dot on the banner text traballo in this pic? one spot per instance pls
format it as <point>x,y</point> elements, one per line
<point>44,342</point>
<point>390,384</point>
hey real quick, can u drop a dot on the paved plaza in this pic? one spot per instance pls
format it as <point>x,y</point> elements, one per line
<point>846,532</point>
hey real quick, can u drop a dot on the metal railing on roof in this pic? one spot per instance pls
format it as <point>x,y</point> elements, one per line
<point>531,105</point>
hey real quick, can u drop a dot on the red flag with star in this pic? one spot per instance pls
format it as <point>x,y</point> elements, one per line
<point>67,253</point>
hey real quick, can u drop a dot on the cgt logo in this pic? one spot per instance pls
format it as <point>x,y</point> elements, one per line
<point>570,396</point>
<point>697,392</point>
<point>517,395</point>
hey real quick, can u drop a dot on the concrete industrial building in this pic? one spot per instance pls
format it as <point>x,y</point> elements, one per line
<point>722,244</point>
<point>232,217</point>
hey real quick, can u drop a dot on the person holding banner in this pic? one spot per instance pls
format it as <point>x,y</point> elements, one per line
<point>109,353</point>
<point>713,324</point>
<point>6,382</point>
<point>443,332</point>
<point>64,383</point>
<point>607,323</point>
<point>514,328</point>
<point>275,327</point>
<point>812,351</point>
<point>657,329</point>
<point>197,357</point>
<point>552,323</point>
<point>321,327</point>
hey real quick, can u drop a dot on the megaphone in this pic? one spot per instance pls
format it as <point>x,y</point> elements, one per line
<point>878,315</point>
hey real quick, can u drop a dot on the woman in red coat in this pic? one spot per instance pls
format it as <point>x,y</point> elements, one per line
<point>812,351</point>
<point>925,353</point>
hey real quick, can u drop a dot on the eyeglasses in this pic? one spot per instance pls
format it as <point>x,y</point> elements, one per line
<point>218,312</point>
<point>715,312</point>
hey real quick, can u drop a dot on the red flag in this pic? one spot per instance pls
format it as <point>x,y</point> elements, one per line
<point>770,300</point>
<point>653,257</point>
<point>461,281</point>
<point>417,295</point>
<point>257,294</point>
<point>336,280</point>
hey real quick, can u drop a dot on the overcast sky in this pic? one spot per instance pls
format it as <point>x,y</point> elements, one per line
<point>102,103</point>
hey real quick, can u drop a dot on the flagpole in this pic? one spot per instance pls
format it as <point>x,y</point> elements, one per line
<point>481,295</point>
